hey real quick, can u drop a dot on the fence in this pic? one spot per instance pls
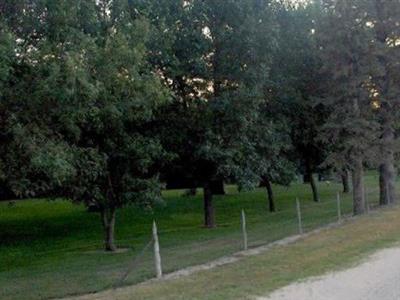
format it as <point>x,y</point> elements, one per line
<point>163,251</point>
<point>250,233</point>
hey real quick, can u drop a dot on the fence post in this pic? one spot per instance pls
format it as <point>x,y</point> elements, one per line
<point>366,200</point>
<point>339,208</point>
<point>157,257</point>
<point>299,216</point>
<point>244,231</point>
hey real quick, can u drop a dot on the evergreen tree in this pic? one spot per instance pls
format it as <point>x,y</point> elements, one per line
<point>385,74</point>
<point>344,35</point>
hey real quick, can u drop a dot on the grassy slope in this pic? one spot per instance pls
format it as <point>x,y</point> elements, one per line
<point>52,249</point>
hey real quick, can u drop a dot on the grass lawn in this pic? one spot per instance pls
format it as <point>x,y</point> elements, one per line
<point>54,248</point>
<point>330,249</point>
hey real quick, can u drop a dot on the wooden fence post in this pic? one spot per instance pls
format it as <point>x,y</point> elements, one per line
<point>339,208</point>
<point>157,257</point>
<point>299,216</point>
<point>244,231</point>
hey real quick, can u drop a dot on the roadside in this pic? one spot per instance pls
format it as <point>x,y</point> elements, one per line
<point>378,278</point>
<point>330,249</point>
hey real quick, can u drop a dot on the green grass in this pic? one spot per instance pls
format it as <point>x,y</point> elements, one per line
<point>328,250</point>
<point>54,248</point>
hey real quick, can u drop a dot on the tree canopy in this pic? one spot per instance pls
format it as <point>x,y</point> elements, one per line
<point>104,102</point>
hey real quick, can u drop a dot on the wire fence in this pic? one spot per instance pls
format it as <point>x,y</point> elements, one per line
<point>179,248</point>
<point>251,233</point>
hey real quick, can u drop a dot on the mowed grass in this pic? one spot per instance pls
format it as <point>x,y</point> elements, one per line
<point>54,248</point>
<point>328,250</point>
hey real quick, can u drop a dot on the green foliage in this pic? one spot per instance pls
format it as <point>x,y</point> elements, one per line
<point>6,53</point>
<point>215,57</point>
<point>90,83</point>
<point>100,101</point>
<point>344,37</point>
<point>296,82</point>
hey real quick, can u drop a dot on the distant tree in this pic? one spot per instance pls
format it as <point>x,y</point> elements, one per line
<point>270,161</point>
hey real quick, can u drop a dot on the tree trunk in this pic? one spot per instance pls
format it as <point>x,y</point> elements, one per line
<point>387,176</point>
<point>320,177</point>
<point>312,181</point>
<point>209,220</point>
<point>387,182</point>
<point>217,187</point>
<point>345,181</point>
<point>306,178</point>
<point>387,171</point>
<point>270,192</point>
<point>193,191</point>
<point>108,220</point>
<point>383,199</point>
<point>358,188</point>
<point>190,192</point>
<point>314,189</point>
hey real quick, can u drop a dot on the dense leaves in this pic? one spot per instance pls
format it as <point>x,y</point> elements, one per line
<point>103,101</point>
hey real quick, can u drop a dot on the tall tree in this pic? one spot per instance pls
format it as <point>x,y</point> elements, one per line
<point>6,61</point>
<point>344,35</point>
<point>23,136</point>
<point>385,74</point>
<point>295,83</point>
<point>242,37</point>
<point>220,57</point>
<point>92,94</point>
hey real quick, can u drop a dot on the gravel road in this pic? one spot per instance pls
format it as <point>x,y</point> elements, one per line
<point>378,278</point>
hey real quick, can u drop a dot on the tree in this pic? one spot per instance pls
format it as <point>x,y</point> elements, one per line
<point>269,152</point>
<point>296,82</point>
<point>344,176</point>
<point>23,137</point>
<point>180,56</point>
<point>243,37</point>
<point>6,61</point>
<point>385,80</point>
<point>92,94</point>
<point>117,154</point>
<point>272,157</point>
<point>344,38</point>
<point>217,67</point>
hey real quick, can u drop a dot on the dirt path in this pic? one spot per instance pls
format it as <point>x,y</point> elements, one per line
<point>376,279</point>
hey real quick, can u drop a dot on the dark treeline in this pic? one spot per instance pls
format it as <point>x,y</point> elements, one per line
<point>104,102</point>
